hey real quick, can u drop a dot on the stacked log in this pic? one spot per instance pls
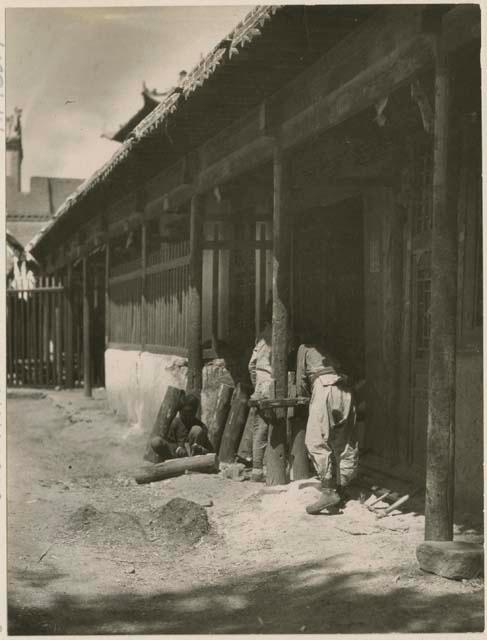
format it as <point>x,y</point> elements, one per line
<point>235,424</point>
<point>218,419</point>
<point>167,412</point>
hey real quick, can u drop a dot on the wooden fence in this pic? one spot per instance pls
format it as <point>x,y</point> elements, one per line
<point>42,351</point>
<point>148,303</point>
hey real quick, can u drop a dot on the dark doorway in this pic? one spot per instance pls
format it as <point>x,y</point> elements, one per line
<point>328,279</point>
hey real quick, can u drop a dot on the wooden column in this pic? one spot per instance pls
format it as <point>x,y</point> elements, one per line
<point>107,293</point>
<point>68,302</point>
<point>276,453</point>
<point>143,303</point>
<point>86,330</point>
<point>195,360</point>
<point>442,362</point>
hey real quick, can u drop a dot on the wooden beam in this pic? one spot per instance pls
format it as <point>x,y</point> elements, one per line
<point>195,358</point>
<point>440,461</point>
<point>276,453</point>
<point>86,330</point>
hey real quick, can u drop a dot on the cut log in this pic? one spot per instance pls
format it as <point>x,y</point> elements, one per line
<point>217,421</point>
<point>234,427</point>
<point>245,448</point>
<point>300,469</point>
<point>176,467</point>
<point>167,411</point>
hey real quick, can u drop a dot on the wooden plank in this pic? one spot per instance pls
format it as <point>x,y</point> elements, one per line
<point>107,293</point>
<point>442,360</point>
<point>86,330</point>
<point>215,293</point>
<point>176,467</point>
<point>15,332</point>
<point>195,361</point>
<point>218,419</point>
<point>405,346</point>
<point>143,301</point>
<point>28,340</point>
<point>35,308</point>
<point>68,306</point>
<point>9,340</point>
<point>58,348</point>
<point>276,451</point>
<point>235,424</point>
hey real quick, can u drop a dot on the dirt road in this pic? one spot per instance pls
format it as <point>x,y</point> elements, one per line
<point>266,567</point>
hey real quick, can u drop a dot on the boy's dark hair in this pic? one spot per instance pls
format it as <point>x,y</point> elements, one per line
<point>191,401</point>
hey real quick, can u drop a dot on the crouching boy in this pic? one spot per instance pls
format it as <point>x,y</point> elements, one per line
<point>186,435</point>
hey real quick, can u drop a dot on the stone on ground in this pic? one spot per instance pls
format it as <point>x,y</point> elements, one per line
<point>181,522</point>
<point>454,560</point>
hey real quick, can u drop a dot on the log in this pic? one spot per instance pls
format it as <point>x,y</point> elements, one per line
<point>245,448</point>
<point>234,427</point>
<point>217,422</point>
<point>167,411</point>
<point>300,469</point>
<point>176,467</point>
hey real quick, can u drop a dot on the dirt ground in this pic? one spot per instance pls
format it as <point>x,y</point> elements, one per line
<point>86,554</point>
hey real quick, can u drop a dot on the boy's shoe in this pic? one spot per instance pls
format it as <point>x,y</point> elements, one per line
<point>198,450</point>
<point>257,475</point>
<point>343,494</point>
<point>328,498</point>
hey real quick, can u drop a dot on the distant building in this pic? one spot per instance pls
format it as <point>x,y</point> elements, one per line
<point>28,212</point>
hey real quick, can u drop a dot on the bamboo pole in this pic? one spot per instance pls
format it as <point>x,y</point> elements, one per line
<point>195,360</point>
<point>86,331</point>
<point>442,361</point>
<point>276,454</point>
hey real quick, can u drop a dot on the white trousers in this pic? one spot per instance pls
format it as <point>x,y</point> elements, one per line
<point>330,433</point>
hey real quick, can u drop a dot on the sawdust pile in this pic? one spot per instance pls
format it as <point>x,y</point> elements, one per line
<point>181,523</point>
<point>112,527</point>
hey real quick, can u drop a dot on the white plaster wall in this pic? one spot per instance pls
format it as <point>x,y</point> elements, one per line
<point>136,382</point>
<point>122,381</point>
<point>157,372</point>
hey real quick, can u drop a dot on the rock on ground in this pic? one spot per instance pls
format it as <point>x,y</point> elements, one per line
<point>454,560</point>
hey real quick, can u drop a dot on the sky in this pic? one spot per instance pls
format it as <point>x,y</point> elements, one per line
<point>77,73</point>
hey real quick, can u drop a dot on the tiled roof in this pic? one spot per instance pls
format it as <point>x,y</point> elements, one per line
<point>243,34</point>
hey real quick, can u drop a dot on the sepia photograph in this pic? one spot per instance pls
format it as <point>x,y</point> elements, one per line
<point>243,319</point>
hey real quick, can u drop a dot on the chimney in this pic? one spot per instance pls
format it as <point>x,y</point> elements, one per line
<point>13,144</point>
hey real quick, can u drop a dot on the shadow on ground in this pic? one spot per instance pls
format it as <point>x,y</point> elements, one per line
<point>316,597</point>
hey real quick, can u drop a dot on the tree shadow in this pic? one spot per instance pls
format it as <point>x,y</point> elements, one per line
<point>312,597</point>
